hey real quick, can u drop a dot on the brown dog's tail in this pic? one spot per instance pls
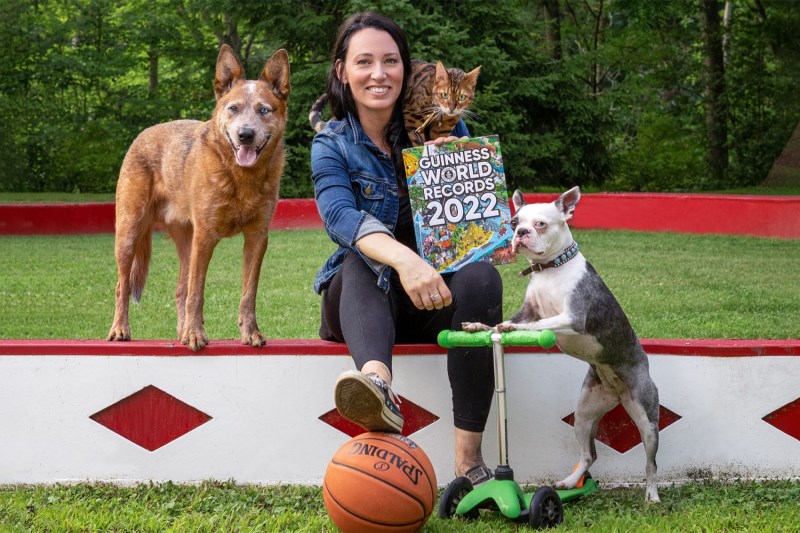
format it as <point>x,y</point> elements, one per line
<point>141,265</point>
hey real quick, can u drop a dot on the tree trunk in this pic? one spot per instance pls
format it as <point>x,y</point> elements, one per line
<point>726,35</point>
<point>552,29</point>
<point>716,106</point>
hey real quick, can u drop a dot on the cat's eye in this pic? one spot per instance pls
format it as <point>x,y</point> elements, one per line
<point>462,97</point>
<point>444,96</point>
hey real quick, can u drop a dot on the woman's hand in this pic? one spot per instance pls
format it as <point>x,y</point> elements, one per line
<point>442,140</point>
<point>423,284</point>
<point>420,280</point>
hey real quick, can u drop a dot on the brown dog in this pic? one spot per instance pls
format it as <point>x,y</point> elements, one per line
<point>204,181</point>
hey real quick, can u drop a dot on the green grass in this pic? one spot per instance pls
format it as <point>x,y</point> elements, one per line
<point>213,507</point>
<point>670,285</point>
<point>54,197</point>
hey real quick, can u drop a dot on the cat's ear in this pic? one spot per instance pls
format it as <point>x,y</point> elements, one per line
<point>471,77</point>
<point>441,72</point>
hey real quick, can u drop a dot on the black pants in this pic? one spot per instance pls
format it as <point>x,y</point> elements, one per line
<point>357,312</point>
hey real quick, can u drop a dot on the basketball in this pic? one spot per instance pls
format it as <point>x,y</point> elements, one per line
<point>379,482</point>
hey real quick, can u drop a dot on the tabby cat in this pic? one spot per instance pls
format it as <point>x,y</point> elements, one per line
<point>435,99</point>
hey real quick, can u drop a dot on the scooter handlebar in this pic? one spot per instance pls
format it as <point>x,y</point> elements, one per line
<point>451,339</point>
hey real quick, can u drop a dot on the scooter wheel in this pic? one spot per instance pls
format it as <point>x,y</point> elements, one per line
<point>452,495</point>
<point>546,510</point>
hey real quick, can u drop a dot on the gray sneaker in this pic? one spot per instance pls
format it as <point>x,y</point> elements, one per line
<point>368,401</point>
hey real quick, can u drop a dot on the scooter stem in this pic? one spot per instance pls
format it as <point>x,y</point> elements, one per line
<point>500,391</point>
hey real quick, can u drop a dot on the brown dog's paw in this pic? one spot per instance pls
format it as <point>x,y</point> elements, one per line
<point>255,339</point>
<point>195,339</point>
<point>119,333</point>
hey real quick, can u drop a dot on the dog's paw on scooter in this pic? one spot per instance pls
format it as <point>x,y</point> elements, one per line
<point>566,295</point>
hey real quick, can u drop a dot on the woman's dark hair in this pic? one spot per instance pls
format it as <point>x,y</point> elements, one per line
<point>339,96</point>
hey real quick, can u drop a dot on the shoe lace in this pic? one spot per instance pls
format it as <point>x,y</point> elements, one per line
<point>384,386</point>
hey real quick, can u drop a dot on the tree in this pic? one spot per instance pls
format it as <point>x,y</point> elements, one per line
<point>715,105</point>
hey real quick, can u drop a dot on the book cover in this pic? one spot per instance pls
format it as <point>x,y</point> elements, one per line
<point>459,202</point>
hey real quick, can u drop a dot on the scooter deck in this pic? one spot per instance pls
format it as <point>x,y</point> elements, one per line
<point>510,500</point>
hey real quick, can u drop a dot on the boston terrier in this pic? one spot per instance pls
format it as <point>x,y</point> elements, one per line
<point>566,295</point>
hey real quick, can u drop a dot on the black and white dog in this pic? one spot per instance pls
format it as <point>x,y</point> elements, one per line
<point>566,295</point>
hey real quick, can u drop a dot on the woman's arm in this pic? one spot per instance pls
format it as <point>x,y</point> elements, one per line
<point>334,195</point>
<point>420,280</point>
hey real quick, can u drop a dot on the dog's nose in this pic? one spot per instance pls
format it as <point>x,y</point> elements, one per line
<point>246,135</point>
<point>521,232</point>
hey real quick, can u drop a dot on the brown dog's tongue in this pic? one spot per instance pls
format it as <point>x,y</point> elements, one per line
<point>246,156</point>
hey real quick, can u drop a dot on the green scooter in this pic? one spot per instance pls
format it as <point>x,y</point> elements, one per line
<point>541,509</point>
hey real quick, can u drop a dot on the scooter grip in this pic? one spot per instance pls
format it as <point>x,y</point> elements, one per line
<point>450,339</point>
<point>544,338</point>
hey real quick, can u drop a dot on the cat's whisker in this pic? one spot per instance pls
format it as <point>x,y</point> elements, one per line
<point>468,114</point>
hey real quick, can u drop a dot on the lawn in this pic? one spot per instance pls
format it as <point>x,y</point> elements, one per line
<point>671,286</point>
<point>225,506</point>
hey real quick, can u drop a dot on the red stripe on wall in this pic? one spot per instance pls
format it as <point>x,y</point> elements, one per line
<point>161,348</point>
<point>763,216</point>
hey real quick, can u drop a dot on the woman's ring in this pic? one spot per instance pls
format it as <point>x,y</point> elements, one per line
<point>435,296</point>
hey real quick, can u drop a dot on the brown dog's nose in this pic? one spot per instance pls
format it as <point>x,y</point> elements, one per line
<point>246,135</point>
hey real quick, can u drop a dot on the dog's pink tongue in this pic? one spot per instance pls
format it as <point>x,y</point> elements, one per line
<point>246,156</point>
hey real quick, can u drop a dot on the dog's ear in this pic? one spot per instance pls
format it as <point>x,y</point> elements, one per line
<point>518,200</point>
<point>229,71</point>
<point>566,202</point>
<point>276,74</point>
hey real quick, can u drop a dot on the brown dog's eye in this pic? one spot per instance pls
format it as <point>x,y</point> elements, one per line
<point>264,110</point>
<point>233,108</point>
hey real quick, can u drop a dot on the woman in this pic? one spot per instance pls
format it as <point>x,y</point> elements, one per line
<point>376,290</point>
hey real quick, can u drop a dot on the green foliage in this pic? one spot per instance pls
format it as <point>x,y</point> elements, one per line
<point>622,108</point>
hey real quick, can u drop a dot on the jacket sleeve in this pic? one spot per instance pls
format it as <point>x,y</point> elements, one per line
<point>333,192</point>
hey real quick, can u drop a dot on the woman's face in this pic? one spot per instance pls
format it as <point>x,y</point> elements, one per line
<point>374,70</point>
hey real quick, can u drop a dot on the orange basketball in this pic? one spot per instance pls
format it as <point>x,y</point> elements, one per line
<point>379,482</point>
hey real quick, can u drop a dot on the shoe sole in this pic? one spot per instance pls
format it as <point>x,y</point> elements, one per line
<point>358,401</point>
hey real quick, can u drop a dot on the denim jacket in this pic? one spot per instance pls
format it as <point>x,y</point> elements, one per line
<point>355,189</point>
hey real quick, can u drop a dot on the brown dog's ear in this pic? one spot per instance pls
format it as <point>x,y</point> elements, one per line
<point>566,202</point>
<point>276,74</point>
<point>518,200</point>
<point>229,71</point>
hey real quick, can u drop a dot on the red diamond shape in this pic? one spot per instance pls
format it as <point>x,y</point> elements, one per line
<point>617,430</point>
<point>786,418</point>
<point>414,419</point>
<point>150,418</point>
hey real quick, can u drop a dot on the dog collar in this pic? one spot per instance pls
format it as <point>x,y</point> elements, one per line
<point>568,253</point>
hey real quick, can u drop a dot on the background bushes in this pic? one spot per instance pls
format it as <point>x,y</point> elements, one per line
<point>618,104</point>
